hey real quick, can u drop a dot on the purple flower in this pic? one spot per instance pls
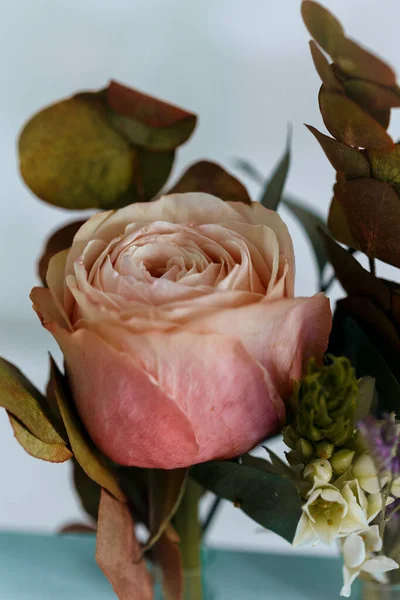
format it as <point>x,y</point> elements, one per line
<point>383,440</point>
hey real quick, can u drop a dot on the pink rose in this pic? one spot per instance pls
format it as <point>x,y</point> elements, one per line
<point>179,328</point>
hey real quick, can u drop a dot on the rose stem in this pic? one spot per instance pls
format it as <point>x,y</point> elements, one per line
<point>188,526</point>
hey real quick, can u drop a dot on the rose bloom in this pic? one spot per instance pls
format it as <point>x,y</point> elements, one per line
<point>179,329</point>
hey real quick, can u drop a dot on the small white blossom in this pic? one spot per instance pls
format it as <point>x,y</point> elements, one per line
<point>318,470</point>
<point>356,518</point>
<point>322,517</point>
<point>358,555</point>
<point>364,470</point>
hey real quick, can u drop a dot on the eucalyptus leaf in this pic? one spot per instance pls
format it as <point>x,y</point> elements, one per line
<point>56,453</point>
<point>272,193</point>
<point>270,500</point>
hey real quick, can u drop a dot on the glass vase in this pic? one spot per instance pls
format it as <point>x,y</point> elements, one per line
<point>378,591</point>
<point>190,577</point>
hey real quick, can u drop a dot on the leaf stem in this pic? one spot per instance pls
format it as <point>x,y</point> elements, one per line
<point>211,515</point>
<point>372,265</point>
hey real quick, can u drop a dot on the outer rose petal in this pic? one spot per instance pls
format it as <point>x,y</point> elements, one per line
<point>192,398</point>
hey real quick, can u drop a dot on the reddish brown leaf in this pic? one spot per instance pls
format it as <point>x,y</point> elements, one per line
<point>169,560</point>
<point>77,528</point>
<point>372,210</point>
<point>358,62</point>
<point>385,165</point>
<point>370,96</point>
<point>59,240</point>
<point>147,121</point>
<point>350,124</point>
<point>355,280</point>
<point>118,551</point>
<point>324,70</point>
<point>342,157</point>
<point>322,25</point>
<point>211,178</point>
<point>337,224</point>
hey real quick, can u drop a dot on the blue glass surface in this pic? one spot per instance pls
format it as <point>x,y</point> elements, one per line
<point>40,567</point>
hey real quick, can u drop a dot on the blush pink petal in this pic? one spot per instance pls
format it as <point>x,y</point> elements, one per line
<point>169,401</point>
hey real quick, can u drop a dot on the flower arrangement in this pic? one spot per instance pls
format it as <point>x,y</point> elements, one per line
<point>185,347</point>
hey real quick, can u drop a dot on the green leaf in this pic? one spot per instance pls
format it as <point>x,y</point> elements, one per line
<point>87,455</point>
<point>20,398</point>
<point>338,226</point>
<point>146,121</point>
<point>210,178</point>
<point>56,453</point>
<point>372,210</point>
<point>153,172</point>
<point>370,96</point>
<point>322,25</point>
<point>72,157</point>
<point>166,492</point>
<point>311,223</point>
<point>342,157</point>
<point>366,392</point>
<point>348,339</point>
<point>350,124</point>
<point>271,501</point>
<point>272,193</point>
<point>385,166</point>
<point>357,62</point>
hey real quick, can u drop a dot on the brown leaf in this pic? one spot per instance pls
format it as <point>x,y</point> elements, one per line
<point>169,560</point>
<point>355,280</point>
<point>322,25</point>
<point>118,551</point>
<point>71,156</point>
<point>87,455</point>
<point>147,121</point>
<point>56,453</point>
<point>358,62</point>
<point>166,492</point>
<point>87,490</point>
<point>342,157</point>
<point>324,70</point>
<point>19,397</point>
<point>372,210</point>
<point>211,178</point>
<point>75,528</point>
<point>59,240</point>
<point>337,224</point>
<point>385,166</point>
<point>350,124</point>
<point>371,96</point>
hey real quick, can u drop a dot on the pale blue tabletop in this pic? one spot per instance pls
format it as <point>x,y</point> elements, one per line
<point>35,567</point>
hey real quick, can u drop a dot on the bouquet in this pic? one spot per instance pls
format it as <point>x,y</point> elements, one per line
<point>185,347</point>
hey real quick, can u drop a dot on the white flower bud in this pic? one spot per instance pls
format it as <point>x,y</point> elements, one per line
<point>318,470</point>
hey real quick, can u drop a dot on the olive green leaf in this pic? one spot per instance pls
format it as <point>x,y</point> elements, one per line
<point>357,62</point>
<point>385,165</point>
<point>272,193</point>
<point>370,96</point>
<point>72,157</point>
<point>20,398</point>
<point>343,158</point>
<point>337,224</point>
<point>322,25</point>
<point>153,172</point>
<point>372,210</point>
<point>350,124</point>
<point>210,178</point>
<point>86,454</point>
<point>166,492</point>
<point>61,239</point>
<point>324,70</point>
<point>118,551</point>
<point>56,453</point>
<point>270,500</point>
<point>87,490</point>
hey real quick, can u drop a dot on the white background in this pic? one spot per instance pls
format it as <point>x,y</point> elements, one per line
<point>242,65</point>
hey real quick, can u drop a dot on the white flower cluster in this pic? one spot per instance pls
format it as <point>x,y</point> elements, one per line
<point>342,508</point>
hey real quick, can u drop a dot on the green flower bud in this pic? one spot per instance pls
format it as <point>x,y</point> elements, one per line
<point>290,437</point>
<point>305,449</point>
<point>324,449</point>
<point>318,470</point>
<point>341,461</point>
<point>326,400</point>
<point>294,459</point>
